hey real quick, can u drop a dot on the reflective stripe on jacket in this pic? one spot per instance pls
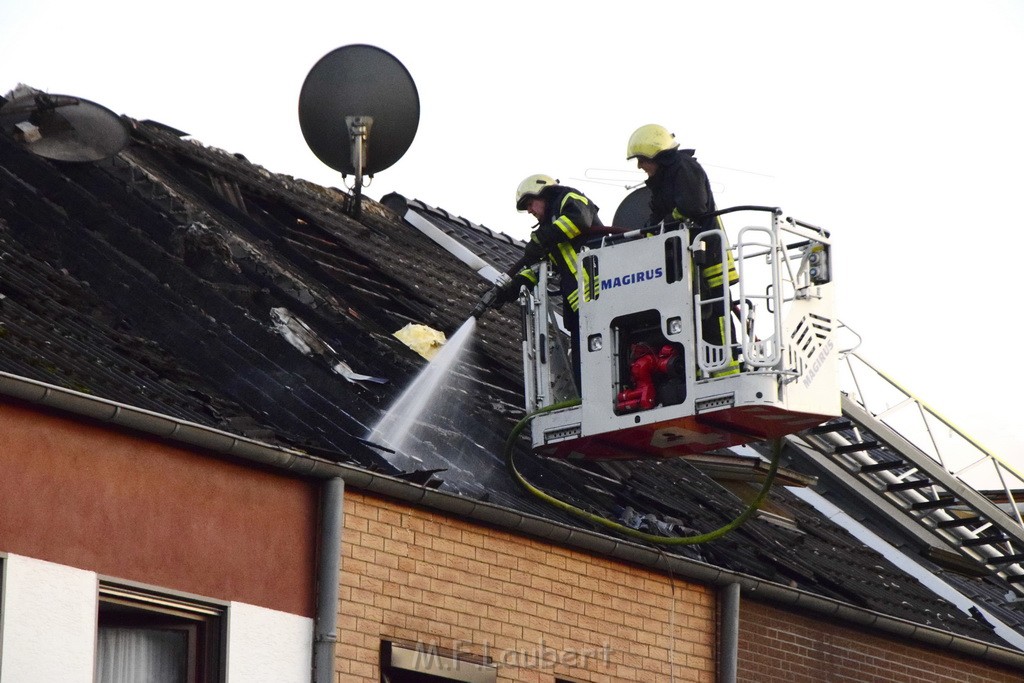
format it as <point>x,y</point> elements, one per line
<point>559,237</point>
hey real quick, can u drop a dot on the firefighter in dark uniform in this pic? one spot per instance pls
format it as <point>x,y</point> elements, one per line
<point>565,220</point>
<point>681,191</point>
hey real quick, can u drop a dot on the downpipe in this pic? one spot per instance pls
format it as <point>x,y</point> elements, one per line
<point>328,588</point>
<point>729,633</point>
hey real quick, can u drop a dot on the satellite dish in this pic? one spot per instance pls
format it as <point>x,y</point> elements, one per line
<point>359,110</point>
<point>634,211</point>
<point>62,127</point>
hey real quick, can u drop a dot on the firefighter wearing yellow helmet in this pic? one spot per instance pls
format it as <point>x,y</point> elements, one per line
<point>680,191</point>
<point>565,218</point>
<point>530,188</point>
<point>649,141</point>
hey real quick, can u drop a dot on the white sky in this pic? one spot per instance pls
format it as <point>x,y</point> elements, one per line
<point>896,124</point>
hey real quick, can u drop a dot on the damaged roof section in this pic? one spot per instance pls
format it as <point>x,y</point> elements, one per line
<point>45,311</point>
<point>189,281</point>
<point>148,245</point>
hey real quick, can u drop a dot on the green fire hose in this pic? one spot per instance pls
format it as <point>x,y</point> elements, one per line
<point>616,526</point>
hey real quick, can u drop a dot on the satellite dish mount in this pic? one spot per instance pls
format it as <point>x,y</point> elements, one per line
<point>359,135</point>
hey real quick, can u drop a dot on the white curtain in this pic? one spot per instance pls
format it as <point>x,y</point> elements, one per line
<point>137,655</point>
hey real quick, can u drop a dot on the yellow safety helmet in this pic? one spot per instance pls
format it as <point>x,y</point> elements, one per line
<point>531,187</point>
<point>647,141</point>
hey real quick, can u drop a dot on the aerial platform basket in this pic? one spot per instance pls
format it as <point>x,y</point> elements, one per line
<point>656,380</point>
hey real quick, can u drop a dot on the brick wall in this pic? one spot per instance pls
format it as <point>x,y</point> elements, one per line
<point>537,610</point>
<point>779,646</point>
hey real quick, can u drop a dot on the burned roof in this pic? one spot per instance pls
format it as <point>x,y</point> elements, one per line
<point>188,281</point>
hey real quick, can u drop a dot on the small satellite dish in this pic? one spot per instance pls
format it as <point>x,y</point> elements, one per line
<point>62,127</point>
<point>634,211</point>
<point>359,110</point>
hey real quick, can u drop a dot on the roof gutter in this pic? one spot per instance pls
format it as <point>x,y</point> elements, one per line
<point>300,463</point>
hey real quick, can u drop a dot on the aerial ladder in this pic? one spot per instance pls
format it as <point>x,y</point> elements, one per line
<point>902,457</point>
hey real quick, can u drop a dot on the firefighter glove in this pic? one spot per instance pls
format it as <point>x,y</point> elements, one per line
<point>534,252</point>
<point>509,292</point>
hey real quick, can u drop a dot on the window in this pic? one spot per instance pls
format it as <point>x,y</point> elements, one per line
<point>592,281</point>
<point>421,663</point>
<point>674,251</point>
<point>144,636</point>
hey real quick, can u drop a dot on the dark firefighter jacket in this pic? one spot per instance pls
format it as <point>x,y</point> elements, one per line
<point>570,217</point>
<point>680,190</point>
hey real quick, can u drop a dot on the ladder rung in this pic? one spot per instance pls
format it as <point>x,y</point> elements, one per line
<point>940,502</point>
<point>983,540</point>
<point>854,447</point>
<point>909,485</point>
<point>828,427</point>
<point>959,521</point>
<point>882,466</point>
<point>1006,559</point>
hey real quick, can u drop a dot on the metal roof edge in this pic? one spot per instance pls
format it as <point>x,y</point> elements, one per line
<point>452,246</point>
<point>297,462</point>
<point>910,565</point>
<point>421,206</point>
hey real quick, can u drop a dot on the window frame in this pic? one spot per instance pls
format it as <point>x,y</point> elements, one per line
<point>203,624</point>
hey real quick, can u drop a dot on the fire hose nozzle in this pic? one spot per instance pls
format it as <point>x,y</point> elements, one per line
<point>486,301</point>
<point>490,297</point>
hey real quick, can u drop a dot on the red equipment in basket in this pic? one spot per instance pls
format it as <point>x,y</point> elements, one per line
<point>645,368</point>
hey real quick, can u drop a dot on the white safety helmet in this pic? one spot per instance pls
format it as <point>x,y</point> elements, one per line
<point>647,141</point>
<point>531,187</point>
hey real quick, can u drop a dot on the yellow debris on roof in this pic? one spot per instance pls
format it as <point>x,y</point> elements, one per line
<point>424,340</point>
